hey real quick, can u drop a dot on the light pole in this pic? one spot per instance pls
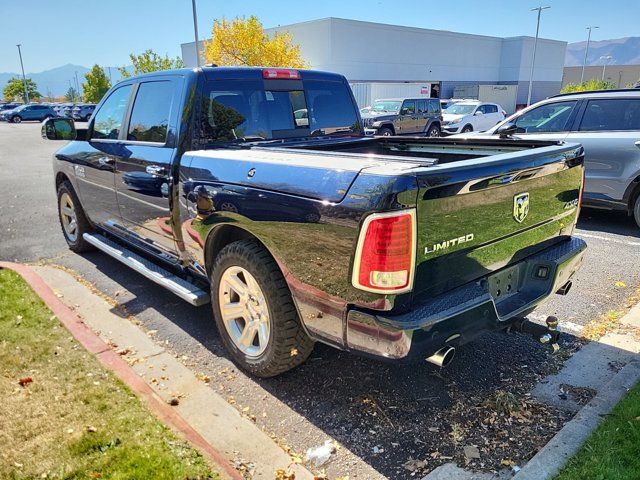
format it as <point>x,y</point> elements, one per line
<point>586,51</point>
<point>195,31</point>
<point>535,47</point>
<point>24,79</point>
<point>604,65</point>
<point>77,83</point>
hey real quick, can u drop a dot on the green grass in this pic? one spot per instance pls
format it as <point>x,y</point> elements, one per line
<point>612,452</point>
<point>75,420</point>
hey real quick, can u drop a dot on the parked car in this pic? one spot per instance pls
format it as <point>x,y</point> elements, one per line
<point>404,116</point>
<point>83,111</point>
<point>607,124</point>
<point>471,115</point>
<point>9,106</point>
<point>27,112</point>
<point>395,247</point>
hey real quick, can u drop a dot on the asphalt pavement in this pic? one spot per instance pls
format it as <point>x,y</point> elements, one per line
<point>383,415</point>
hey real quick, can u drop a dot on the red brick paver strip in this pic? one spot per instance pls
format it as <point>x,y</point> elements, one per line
<point>117,365</point>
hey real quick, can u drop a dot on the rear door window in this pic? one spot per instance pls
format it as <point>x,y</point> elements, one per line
<point>150,115</point>
<point>434,106</point>
<point>422,106</point>
<point>551,117</point>
<point>611,114</point>
<point>108,120</point>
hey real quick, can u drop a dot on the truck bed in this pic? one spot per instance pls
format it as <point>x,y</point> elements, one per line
<point>470,195</point>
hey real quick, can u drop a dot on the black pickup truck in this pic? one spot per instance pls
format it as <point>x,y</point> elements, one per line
<point>256,189</point>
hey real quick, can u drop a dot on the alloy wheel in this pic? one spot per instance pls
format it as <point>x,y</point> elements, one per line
<point>244,311</point>
<point>68,217</point>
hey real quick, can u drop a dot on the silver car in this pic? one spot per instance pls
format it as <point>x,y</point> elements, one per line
<point>607,124</point>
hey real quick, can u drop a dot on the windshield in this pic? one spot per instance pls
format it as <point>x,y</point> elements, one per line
<point>386,106</point>
<point>233,111</point>
<point>460,109</point>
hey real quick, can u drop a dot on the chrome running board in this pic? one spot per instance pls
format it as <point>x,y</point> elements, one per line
<point>180,287</point>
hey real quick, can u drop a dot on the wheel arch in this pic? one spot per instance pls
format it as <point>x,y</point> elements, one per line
<point>388,125</point>
<point>632,193</point>
<point>225,234</point>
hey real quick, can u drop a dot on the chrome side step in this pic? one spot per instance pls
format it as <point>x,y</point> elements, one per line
<point>182,288</point>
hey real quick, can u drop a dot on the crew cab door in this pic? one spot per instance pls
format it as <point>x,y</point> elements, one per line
<point>95,159</point>
<point>608,129</point>
<point>143,177</point>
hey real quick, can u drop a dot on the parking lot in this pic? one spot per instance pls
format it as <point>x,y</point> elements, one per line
<point>382,415</point>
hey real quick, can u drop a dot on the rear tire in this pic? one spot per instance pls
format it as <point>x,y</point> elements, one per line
<point>73,220</point>
<point>261,328</point>
<point>467,129</point>
<point>385,132</point>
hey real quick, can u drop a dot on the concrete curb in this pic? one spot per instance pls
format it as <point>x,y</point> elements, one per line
<point>549,461</point>
<point>111,360</point>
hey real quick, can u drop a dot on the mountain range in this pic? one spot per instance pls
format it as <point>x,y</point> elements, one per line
<point>624,51</point>
<point>56,82</point>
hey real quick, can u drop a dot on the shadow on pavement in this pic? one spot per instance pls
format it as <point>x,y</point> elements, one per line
<point>404,411</point>
<point>618,223</point>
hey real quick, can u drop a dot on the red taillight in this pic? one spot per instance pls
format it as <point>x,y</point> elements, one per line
<point>281,73</point>
<point>385,256</point>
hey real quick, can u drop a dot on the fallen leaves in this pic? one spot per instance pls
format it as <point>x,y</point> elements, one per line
<point>203,378</point>
<point>281,474</point>
<point>620,284</point>
<point>23,382</point>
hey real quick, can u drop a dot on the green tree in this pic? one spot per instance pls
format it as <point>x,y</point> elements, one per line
<point>71,95</point>
<point>150,61</point>
<point>15,89</point>
<point>96,84</point>
<point>593,84</point>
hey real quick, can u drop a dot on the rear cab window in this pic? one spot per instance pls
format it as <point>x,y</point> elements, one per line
<point>253,109</point>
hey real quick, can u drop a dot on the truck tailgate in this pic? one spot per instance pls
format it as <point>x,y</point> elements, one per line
<point>478,216</point>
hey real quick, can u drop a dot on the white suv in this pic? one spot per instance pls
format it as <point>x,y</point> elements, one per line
<point>469,116</point>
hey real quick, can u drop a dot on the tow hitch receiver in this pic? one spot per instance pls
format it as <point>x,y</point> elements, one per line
<point>548,335</point>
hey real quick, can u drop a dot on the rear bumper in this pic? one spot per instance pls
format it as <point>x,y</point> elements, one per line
<point>459,315</point>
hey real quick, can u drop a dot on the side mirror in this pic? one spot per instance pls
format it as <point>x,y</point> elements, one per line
<point>404,111</point>
<point>478,113</point>
<point>507,129</point>
<point>59,129</point>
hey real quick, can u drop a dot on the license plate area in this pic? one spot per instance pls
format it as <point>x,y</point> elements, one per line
<point>505,283</point>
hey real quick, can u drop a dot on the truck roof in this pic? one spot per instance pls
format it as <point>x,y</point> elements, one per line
<point>237,73</point>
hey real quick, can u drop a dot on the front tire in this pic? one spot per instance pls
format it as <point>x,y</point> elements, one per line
<point>16,119</point>
<point>73,220</point>
<point>467,129</point>
<point>254,312</point>
<point>636,211</point>
<point>385,132</point>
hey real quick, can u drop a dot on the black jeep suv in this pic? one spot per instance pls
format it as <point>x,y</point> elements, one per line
<point>404,116</point>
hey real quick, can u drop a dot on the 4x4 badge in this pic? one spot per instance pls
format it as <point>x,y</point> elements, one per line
<point>520,206</point>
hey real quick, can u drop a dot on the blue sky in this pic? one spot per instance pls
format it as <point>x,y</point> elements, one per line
<point>105,32</point>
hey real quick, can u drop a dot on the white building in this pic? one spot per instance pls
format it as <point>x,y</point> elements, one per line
<point>367,52</point>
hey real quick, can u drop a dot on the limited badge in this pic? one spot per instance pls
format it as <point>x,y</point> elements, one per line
<point>521,206</point>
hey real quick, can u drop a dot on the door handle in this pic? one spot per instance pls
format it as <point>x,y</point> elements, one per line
<point>105,162</point>
<point>156,170</point>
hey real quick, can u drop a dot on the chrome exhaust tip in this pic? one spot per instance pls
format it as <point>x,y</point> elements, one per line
<point>442,357</point>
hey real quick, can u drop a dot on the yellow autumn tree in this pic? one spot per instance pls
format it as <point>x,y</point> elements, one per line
<point>242,42</point>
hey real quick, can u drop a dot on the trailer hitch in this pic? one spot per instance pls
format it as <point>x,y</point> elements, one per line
<point>547,335</point>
